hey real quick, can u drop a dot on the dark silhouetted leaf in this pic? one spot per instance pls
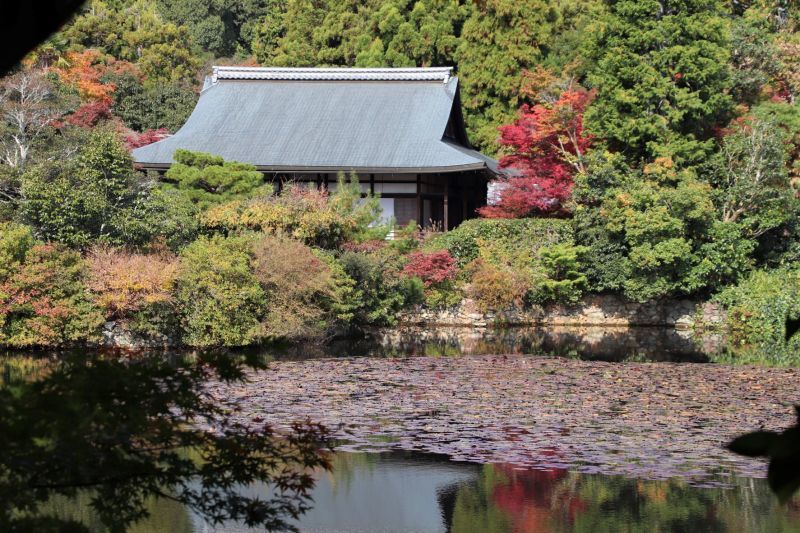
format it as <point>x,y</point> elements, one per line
<point>756,444</point>
<point>784,477</point>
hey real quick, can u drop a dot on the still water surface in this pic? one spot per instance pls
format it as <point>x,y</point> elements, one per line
<point>405,492</point>
<point>409,491</point>
<point>591,343</point>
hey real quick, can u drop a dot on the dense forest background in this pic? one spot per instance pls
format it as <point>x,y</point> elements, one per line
<point>506,53</point>
<point>658,141</point>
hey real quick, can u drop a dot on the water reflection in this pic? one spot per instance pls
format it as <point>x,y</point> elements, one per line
<point>601,344</point>
<point>400,492</point>
<point>114,431</point>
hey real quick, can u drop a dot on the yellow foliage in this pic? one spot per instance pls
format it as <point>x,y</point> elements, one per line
<point>123,283</point>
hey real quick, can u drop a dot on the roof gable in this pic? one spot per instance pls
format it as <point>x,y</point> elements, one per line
<point>440,74</point>
<point>327,120</point>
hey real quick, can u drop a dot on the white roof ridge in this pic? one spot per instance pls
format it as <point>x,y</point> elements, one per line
<point>441,74</point>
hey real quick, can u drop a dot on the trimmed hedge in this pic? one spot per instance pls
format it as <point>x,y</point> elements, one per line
<point>511,235</point>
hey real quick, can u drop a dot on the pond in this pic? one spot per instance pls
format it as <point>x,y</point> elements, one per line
<point>404,492</point>
<point>589,343</point>
<point>517,430</point>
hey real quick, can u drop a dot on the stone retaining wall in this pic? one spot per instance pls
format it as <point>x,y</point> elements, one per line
<point>594,311</point>
<point>610,311</point>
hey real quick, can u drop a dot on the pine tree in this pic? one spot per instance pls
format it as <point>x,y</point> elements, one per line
<point>500,39</point>
<point>661,71</point>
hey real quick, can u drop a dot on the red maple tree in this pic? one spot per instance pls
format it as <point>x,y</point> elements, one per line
<point>547,144</point>
<point>88,115</point>
<point>135,139</point>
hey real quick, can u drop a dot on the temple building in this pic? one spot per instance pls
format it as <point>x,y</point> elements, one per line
<point>401,130</point>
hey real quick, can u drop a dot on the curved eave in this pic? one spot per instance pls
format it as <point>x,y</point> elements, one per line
<point>358,170</point>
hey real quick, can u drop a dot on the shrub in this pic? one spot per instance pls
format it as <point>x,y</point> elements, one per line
<point>495,288</point>
<point>221,301</point>
<point>365,247</point>
<point>758,308</point>
<point>407,238</point>
<point>15,241</point>
<point>564,279</point>
<point>510,237</point>
<point>134,288</point>
<point>310,215</point>
<point>167,216</point>
<point>437,271</point>
<point>43,298</point>
<point>443,296</point>
<point>345,300</point>
<point>300,288</point>
<point>432,268</point>
<point>381,292</point>
<point>503,254</point>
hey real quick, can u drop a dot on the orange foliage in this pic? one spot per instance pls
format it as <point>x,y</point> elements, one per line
<point>298,283</point>
<point>85,71</point>
<point>495,288</point>
<point>124,282</point>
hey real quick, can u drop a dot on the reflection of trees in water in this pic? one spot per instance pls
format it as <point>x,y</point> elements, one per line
<point>503,499</point>
<point>166,516</point>
<point>121,432</point>
<point>610,344</point>
<point>344,467</point>
<point>14,369</point>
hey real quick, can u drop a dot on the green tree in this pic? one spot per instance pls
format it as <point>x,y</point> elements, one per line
<point>99,25</point>
<point>98,197</point>
<point>165,216</point>
<point>649,227</point>
<point>499,40</point>
<point>267,32</point>
<point>754,56</point>
<point>295,46</point>
<point>120,433</point>
<point>418,33</point>
<point>380,292</point>
<point>80,201</point>
<point>753,187</point>
<point>661,74</point>
<point>222,28</point>
<point>152,106</point>
<point>136,31</point>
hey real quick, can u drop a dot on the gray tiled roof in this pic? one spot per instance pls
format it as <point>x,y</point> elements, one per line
<point>325,120</point>
<point>442,74</point>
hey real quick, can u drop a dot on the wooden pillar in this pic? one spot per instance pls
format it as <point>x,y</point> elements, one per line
<point>445,216</point>
<point>420,222</point>
<point>372,184</point>
<point>319,182</point>
<point>464,213</point>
